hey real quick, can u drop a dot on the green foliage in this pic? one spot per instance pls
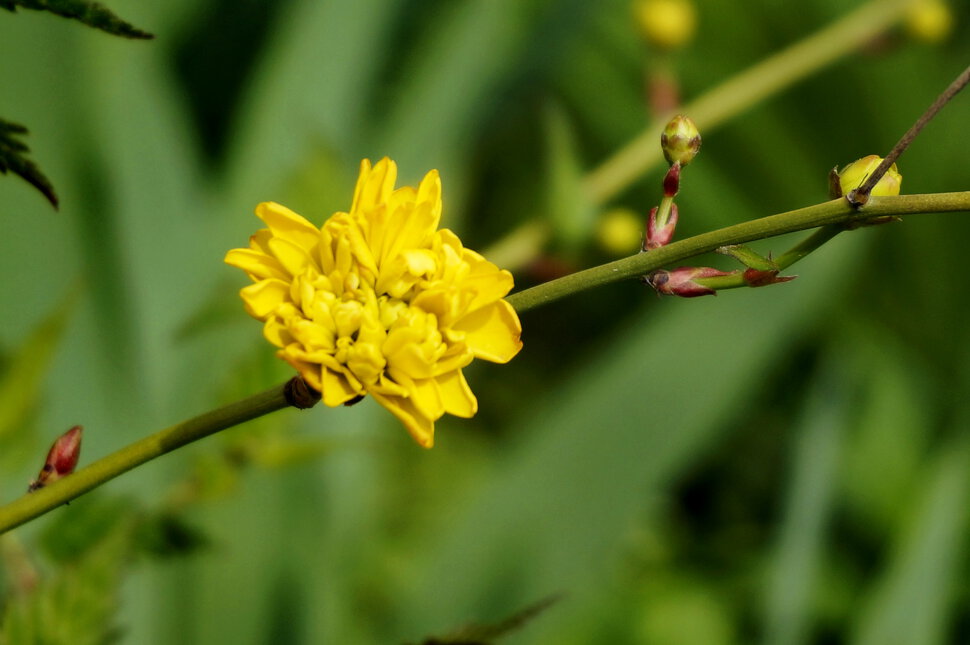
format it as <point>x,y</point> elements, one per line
<point>780,466</point>
<point>13,158</point>
<point>89,13</point>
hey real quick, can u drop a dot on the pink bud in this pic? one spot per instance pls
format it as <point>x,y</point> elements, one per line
<point>61,459</point>
<point>681,281</point>
<point>672,180</point>
<point>761,278</point>
<point>657,237</point>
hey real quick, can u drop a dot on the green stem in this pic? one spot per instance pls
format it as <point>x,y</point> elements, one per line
<point>837,211</point>
<point>107,468</point>
<point>832,216</point>
<point>782,262</point>
<point>746,89</point>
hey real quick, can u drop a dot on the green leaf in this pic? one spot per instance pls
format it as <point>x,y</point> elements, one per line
<point>90,13</point>
<point>13,157</point>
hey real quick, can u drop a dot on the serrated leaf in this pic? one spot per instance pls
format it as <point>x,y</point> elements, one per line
<point>13,157</point>
<point>91,14</point>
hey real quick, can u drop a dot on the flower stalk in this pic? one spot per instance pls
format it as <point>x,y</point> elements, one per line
<point>830,218</point>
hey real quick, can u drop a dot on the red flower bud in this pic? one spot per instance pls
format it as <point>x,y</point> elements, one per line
<point>760,278</point>
<point>680,281</point>
<point>672,180</point>
<point>660,236</point>
<point>61,459</point>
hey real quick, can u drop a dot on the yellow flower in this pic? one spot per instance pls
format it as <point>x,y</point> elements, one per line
<point>379,301</point>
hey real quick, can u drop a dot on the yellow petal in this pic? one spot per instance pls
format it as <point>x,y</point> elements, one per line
<point>457,396</point>
<point>293,257</point>
<point>420,427</point>
<point>492,332</point>
<point>258,265</point>
<point>336,389</point>
<point>264,297</point>
<point>427,398</point>
<point>288,225</point>
<point>374,186</point>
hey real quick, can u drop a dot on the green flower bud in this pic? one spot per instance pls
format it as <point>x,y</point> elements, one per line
<point>680,140</point>
<point>853,175</point>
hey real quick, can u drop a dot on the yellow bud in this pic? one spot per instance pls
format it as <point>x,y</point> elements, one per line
<point>667,24</point>
<point>930,21</point>
<point>680,140</point>
<point>619,231</point>
<point>856,172</point>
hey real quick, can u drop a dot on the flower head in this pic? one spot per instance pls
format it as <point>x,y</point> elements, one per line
<point>380,301</point>
<point>855,174</point>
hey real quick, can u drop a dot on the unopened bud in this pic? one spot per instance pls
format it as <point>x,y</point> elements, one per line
<point>660,235</point>
<point>61,459</point>
<point>762,278</point>
<point>680,140</point>
<point>855,174</point>
<point>666,24</point>
<point>681,281</point>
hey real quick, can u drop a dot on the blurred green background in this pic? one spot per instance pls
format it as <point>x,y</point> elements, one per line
<point>783,465</point>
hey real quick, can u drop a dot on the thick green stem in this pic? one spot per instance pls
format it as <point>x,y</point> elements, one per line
<point>107,468</point>
<point>837,211</point>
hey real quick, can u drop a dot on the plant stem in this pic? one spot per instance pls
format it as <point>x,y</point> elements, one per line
<point>837,212</point>
<point>107,468</point>
<point>831,216</point>
<point>746,89</point>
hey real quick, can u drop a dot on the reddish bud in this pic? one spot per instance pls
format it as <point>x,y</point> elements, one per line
<point>61,459</point>
<point>681,281</point>
<point>658,236</point>
<point>672,180</point>
<point>761,278</point>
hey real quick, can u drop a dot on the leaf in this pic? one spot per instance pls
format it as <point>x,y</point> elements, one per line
<point>90,13</point>
<point>13,157</point>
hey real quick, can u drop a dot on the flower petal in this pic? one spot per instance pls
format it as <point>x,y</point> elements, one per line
<point>336,389</point>
<point>258,265</point>
<point>264,297</point>
<point>457,396</point>
<point>420,427</point>
<point>492,332</point>
<point>288,225</point>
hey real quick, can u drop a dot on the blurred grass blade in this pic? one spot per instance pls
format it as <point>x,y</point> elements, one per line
<point>23,376</point>
<point>569,209</point>
<point>91,14</point>
<point>808,506</point>
<point>910,605</point>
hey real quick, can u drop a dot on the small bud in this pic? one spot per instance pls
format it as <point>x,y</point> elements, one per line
<point>680,281</point>
<point>930,21</point>
<point>666,24</point>
<point>618,231</point>
<point>680,140</point>
<point>853,176</point>
<point>762,278</point>
<point>61,459</point>
<point>672,180</point>
<point>748,257</point>
<point>658,236</point>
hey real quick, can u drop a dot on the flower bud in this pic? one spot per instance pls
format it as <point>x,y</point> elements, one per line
<point>764,277</point>
<point>680,140</point>
<point>658,235</point>
<point>853,176</point>
<point>61,459</point>
<point>680,281</point>
<point>666,24</point>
